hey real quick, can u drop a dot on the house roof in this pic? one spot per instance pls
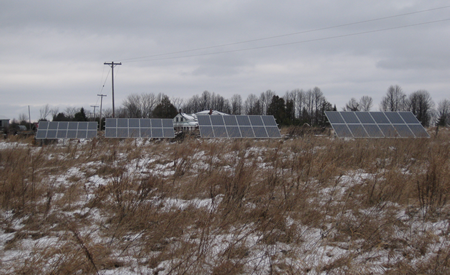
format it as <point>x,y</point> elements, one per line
<point>214,112</point>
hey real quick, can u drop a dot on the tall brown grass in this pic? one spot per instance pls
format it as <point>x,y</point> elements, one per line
<point>288,206</point>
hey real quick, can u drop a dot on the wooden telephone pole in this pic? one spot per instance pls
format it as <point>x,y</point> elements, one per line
<point>112,64</point>
<point>101,103</point>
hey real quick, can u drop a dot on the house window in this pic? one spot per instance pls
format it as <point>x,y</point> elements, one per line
<point>177,120</point>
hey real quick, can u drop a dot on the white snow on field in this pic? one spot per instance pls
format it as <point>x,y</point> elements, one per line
<point>316,250</point>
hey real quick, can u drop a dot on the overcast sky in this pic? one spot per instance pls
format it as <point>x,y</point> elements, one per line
<point>52,52</point>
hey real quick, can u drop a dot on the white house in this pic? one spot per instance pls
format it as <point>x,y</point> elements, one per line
<point>189,122</point>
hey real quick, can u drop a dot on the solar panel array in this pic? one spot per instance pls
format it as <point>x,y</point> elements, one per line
<point>376,125</point>
<point>217,126</point>
<point>139,128</point>
<point>66,129</point>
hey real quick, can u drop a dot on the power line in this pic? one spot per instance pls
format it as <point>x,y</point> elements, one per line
<point>289,34</point>
<point>297,42</point>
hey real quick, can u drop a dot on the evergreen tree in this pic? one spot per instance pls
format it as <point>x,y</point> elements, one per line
<point>165,109</point>
<point>80,116</point>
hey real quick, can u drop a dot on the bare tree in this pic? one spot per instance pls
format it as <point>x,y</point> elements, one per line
<point>71,111</point>
<point>420,104</point>
<point>265,100</point>
<point>236,104</point>
<point>352,105</point>
<point>177,102</point>
<point>395,100</point>
<point>44,112</point>
<point>365,103</point>
<point>444,112</point>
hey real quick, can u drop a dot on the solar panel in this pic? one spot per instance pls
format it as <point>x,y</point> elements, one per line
<point>139,128</point>
<point>376,124</point>
<point>66,129</point>
<point>238,126</point>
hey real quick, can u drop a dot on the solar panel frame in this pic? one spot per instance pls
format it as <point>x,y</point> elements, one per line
<point>230,120</point>
<point>139,128</point>
<point>220,132</point>
<point>204,120</point>
<point>377,124</point>
<point>65,129</point>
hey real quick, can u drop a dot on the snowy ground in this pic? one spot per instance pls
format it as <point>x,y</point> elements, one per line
<point>211,206</point>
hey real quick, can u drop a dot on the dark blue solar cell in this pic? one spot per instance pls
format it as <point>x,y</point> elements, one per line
<point>133,133</point>
<point>233,132</point>
<point>71,134</point>
<point>364,117</point>
<point>269,120</point>
<point>122,132</point>
<point>373,131</point>
<point>91,126</point>
<point>63,125</point>
<point>41,134</point>
<point>82,134</point>
<point>73,125</point>
<point>51,134</point>
<point>146,132</point>
<point>219,132</point>
<point>247,132</point>
<point>273,132</point>
<point>217,120</point>
<point>388,131</point>
<point>122,122</point>
<point>157,132</point>
<point>260,132</point>
<point>409,118</point>
<point>334,117</point>
<point>206,132</point>
<point>169,133</point>
<point>111,132</point>
<point>379,117</point>
<point>342,130</point>
<point>145,123</point>
<point>243,120</point>
<point>230,120</point>
<point>43,125</point>
<point>111,122</point>
<point>82,125</point>
<point>53,125</point>
<point>357,130</point>
<point>256,120</point>
<point>91,134</point>
<point>133,123</point>
<point>204,120</point>
<point>61,134</point>
<point>349,117</point>
<point>404,131</point>
<point>394,117</point>
<point>156,123</point>
<point>167,123</point>
<point>419,131</point>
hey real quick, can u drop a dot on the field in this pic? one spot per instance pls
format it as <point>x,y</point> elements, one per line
<point>309,205</point>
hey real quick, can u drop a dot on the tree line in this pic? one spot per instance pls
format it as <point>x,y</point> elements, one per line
<point>295,107</point>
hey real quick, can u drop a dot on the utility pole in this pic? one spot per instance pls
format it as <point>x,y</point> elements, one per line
<point>94,109</point>
<point>112,64</point>
<point>101,102</point>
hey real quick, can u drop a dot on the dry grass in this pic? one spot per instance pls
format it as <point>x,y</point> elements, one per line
<point>308,205</point>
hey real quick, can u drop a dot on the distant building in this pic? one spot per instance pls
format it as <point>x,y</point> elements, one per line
<point>189,122</point>
<point>4,124</point>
